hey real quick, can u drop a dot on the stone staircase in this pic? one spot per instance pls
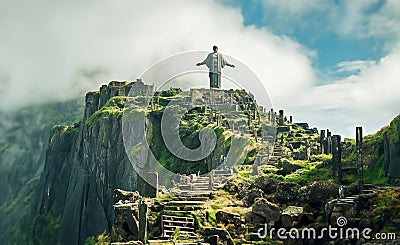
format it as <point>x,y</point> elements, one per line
<point>276,155</point>
<point>348,206</point>
<point>177,212</point>
<point>221,176</point>
<point>171,223</point>
<point>185,206</point>
<point>194,185</point>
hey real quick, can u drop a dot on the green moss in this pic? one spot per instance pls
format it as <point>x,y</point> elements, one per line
<point>211,219</point>
<point>46,227</point>
<point>102,239</point>
<point>376,174</point>
<point>307,176</point>
<point>113,108</point>
<point>387,201</point>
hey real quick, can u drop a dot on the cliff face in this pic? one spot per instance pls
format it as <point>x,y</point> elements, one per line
<point>84,164</point>
<point>391,143</point>
<point>23,141</point>
<point>87,161</point>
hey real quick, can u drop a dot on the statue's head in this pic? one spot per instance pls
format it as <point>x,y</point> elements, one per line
<point>215,48</point>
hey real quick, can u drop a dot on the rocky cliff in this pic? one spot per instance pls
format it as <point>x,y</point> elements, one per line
<point>71,199</point>
<point>391,143</point>
<point>84,164</point>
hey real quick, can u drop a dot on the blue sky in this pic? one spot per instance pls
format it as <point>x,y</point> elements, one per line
<point>331,63</point>
<point>331,48</point>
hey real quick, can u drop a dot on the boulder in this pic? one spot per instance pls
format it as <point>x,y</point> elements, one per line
<point>126,223</point>
<point>224,237</point>
<point>252,194</point>
<point>229,218</point>
<point>287,167</point>
<point>318,193</point>
<point>265,210</point>
<point>125,196</point>
<point>266,184</point>
<point>291,216</point>
<point>231,188</point>
<point>286,192</point>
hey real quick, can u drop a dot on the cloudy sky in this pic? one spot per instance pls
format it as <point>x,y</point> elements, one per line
<point>331,63</point>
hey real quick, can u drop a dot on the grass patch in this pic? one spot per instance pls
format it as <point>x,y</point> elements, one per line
<point>376,174</point>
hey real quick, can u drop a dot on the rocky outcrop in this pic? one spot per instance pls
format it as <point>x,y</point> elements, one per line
<point>84,164</point>
<point>127,216</point>
<point>229,218</point>
<point>287,192</point>
<point>217,234</point>
<point>391,145</point>
<point>266,184</point>
<point>24,135</point>
<point>264,211</point>
<point>287,167</point>
<point>318,193</point>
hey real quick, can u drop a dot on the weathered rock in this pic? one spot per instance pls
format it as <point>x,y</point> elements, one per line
<point>288,167</point>
<point>341,210</point>
<point>266,184</point>
<point>243,190</point>
<point>212,240</point>
<point>252,195</point>
<point>291,216</point>
<point>224,236</point>
<point>286,192</point>
<point>126,223</point>
<point>79,184</point>
<point>391,143</point>
<point>231,188</point>
<point>266,210</point>
<point>229,218</point>
<point>318,193</point>
<point>125,196</point>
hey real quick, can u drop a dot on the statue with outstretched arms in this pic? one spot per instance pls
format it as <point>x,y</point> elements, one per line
<point>215,62</point>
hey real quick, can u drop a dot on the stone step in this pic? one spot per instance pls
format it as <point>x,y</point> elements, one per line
<point>181,228</point>
<point>200,188</point>
<point>194,193</point>
<point>175,211</point>
<point>177,218</point>
<point>190,198</point>
<point>188,234</point>
<point>200,184</point>
<point>178,223</point>
<point>184,203</point>
<point>223,172</point>
<point>181,209</point>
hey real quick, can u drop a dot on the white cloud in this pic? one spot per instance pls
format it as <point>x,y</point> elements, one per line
<point>55,50</point>
<point>354,19</point>
<point>370,98</point>
<point>354,66</point>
